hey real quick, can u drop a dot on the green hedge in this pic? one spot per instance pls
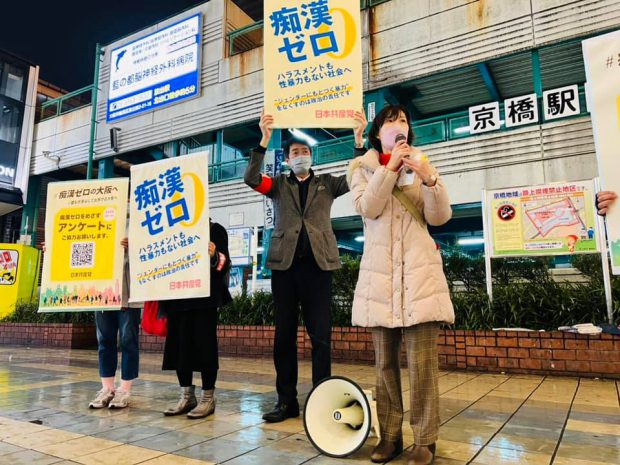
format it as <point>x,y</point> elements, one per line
<point>524,295</point>
<point>27,313</point>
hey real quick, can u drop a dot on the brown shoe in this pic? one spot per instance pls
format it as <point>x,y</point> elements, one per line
<point>387,450</point>
<point>422,455</point>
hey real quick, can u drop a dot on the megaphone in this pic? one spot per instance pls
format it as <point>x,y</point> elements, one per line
<point>339,416</point>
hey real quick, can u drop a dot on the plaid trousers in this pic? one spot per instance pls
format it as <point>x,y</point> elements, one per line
<point>423,364</point>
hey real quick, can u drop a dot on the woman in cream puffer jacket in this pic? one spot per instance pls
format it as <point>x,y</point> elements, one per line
<point>402,289</point>
<point>401,281</point>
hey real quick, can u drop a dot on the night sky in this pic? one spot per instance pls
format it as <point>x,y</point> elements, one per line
<point>60,36</point>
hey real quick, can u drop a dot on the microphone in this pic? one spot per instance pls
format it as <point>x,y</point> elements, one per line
<point>397,139</point>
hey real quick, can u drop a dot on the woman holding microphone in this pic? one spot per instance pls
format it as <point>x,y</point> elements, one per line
<point>402,290</point>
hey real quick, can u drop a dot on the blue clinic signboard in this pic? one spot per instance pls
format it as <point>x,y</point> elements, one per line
<point>156,70</point>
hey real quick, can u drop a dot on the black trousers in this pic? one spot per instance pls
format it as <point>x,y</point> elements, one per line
<point>191,345</point>
<point>306,284</point>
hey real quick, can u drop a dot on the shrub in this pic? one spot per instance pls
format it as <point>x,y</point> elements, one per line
<point>524,295</point>
<point>28,313</point>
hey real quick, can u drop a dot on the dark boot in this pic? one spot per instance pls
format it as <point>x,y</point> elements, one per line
<point>281,412</point>
<point>186,402</point>
<point>387,450</point>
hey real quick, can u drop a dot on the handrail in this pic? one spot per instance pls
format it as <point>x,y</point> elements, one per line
<point>58,102</point>
<point>232,35</point>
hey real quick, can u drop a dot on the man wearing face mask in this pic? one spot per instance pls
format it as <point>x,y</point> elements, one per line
<point>302,255</point>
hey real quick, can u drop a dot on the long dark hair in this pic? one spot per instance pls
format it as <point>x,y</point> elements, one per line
<point>388,111</point>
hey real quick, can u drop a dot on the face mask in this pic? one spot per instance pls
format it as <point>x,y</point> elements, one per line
<point>300,165</point>
<point>387,137</point>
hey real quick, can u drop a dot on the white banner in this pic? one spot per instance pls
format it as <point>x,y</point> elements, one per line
<point>602,62</point>
<point>169,229</point>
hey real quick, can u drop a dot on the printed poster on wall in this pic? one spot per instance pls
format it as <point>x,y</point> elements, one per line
<point>602,62</point>
<point>8,267</point>
<point>83,263</point>
<point>551,219</point>
<point>312,63</point>
<point>169,229</point>
<point>240,246</point>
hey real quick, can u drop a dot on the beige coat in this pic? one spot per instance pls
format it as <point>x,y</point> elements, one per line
<point>401,281</point>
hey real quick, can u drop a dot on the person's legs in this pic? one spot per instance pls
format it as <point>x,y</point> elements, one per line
<point>314,286</point>
<point>128,327</point>
<point>285,344</point>
<point>389,393</point>
<point>106,324</point>
<point>208,336</point>
<point>423,362</point>
<point>421,341</point>
<point>185,378</point>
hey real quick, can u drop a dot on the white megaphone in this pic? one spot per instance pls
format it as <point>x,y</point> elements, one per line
<point>339,416</point>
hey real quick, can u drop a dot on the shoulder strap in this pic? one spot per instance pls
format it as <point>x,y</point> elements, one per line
<point>409,206</point>
<point>396,192</point>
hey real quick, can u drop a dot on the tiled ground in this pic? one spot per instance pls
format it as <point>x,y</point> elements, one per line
<point>486,419</point>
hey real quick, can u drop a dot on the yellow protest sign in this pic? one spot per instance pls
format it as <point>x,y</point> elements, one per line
<point>83,264</point>
<point>169,229</point>
<point>312,62</point>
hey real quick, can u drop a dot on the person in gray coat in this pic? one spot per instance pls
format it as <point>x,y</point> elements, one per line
<point>302,256</point>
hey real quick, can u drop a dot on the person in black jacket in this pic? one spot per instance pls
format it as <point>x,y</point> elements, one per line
<point>191,343</point>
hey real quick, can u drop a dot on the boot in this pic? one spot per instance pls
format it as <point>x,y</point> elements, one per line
<point>387,450</point>
<point>186,402</point>
<point>205,407</point>
<point>422,455</point>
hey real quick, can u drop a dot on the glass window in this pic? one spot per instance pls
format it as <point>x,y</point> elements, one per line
<point>10,122</point>
<point>12,82</point>
<point>230,153</point>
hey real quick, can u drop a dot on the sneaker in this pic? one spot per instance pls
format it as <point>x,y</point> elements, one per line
<point>121,399</point>
<point>102,399</point>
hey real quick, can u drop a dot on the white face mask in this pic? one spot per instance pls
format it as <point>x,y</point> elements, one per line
<point>300,165</point>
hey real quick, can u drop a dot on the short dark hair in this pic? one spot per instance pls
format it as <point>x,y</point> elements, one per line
<point>294,140</point>
<point>388,111</point>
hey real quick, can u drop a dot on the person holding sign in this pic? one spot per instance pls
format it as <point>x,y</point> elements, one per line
<point>302,255</point>
<point>126,323</point>
<point>191,342</point>
<point>113,327</point>
<point>402,290</point>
